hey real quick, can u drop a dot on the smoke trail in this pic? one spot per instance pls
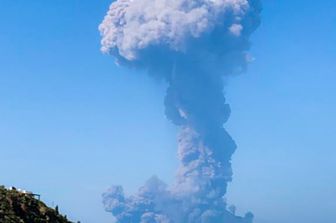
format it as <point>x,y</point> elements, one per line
<point>193,45</point>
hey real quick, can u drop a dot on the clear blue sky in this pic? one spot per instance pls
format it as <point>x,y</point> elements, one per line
<point>72,123</point>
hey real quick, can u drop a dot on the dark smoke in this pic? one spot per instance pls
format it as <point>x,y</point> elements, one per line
<point>193,45</point>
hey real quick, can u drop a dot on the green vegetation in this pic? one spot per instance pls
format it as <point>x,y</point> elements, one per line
<point>19,207</point>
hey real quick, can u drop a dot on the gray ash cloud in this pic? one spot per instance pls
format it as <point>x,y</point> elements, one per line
<point>193,45</point>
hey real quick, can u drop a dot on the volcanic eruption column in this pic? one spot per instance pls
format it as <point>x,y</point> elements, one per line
<point>193,45</point>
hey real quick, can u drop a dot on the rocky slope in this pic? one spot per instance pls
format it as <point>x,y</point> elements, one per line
<point>23,207</point>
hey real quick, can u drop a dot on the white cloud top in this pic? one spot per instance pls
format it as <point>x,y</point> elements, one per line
<point>133,25</point>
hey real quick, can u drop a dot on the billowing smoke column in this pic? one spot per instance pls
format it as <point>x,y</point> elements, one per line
<point>193,45</point>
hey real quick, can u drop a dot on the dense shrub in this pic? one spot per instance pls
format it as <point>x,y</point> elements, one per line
<point>18,207</point>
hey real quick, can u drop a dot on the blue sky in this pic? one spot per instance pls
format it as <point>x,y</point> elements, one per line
<point>72,123</point>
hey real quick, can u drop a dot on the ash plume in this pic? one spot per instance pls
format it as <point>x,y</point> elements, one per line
<point>193,45</point>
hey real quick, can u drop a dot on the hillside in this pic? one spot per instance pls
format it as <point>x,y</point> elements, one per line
<point>22,207</point>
